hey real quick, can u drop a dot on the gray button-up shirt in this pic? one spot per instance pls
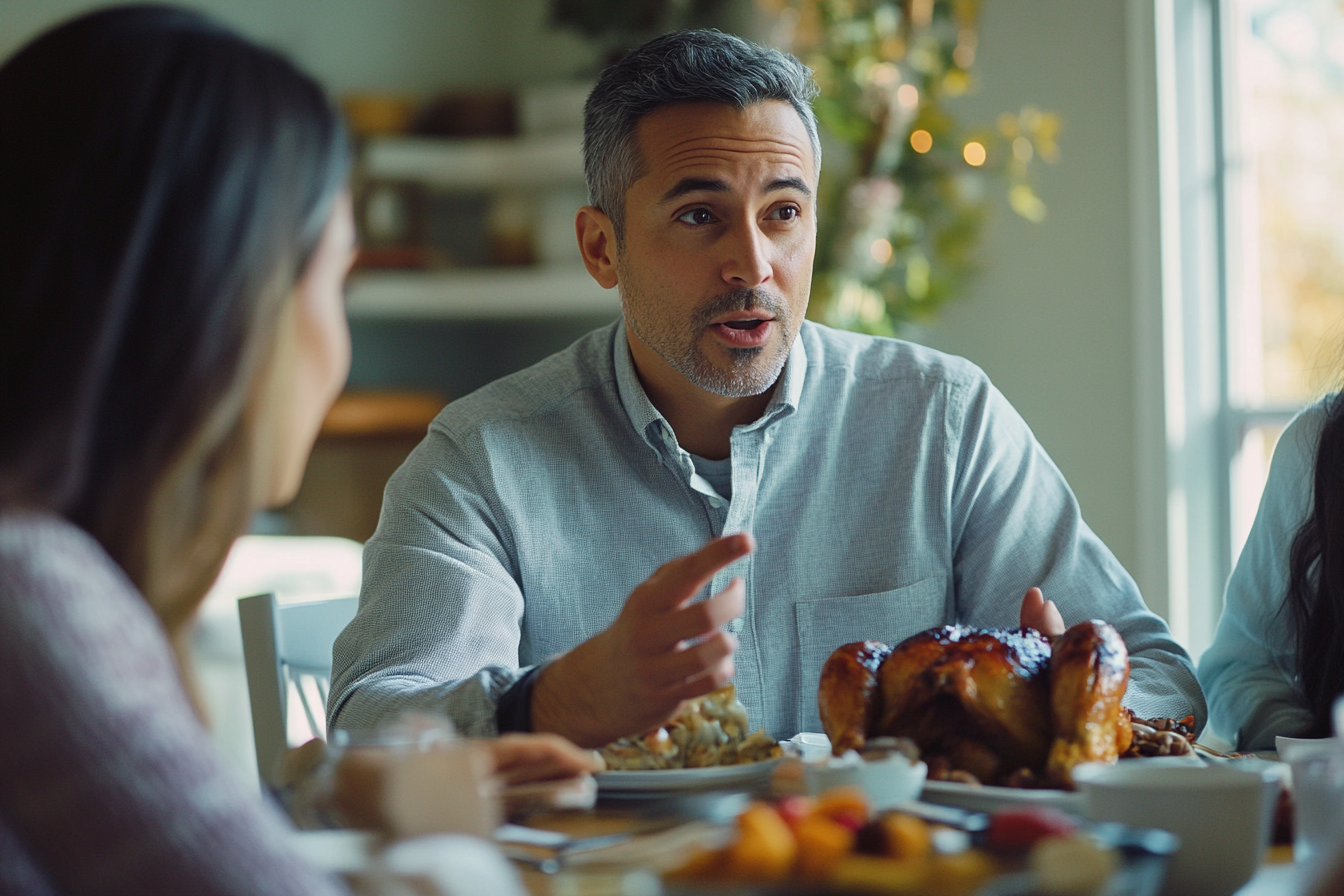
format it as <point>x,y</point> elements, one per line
<point>890,489</point>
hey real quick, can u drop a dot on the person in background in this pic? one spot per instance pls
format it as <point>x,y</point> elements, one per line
<point>175,235</point>
<point>539,556</point>
<point>1276,664</point>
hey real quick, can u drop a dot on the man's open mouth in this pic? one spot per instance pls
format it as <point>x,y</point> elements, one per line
<point>744,324</point>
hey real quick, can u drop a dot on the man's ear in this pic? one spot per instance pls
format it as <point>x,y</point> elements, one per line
<point>597,244</point>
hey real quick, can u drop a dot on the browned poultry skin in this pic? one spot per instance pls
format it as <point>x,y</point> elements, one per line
<point>848,697</point>
<point>979,696</point>
<point>1089,673</point>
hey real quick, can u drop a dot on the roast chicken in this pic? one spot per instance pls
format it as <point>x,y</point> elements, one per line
<point>1000,704</point>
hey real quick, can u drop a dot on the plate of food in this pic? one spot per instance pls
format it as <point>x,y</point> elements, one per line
<point>837,843</point>
<point>709,744</point>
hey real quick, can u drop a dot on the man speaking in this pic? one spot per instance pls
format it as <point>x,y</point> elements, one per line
<point>542,555</point>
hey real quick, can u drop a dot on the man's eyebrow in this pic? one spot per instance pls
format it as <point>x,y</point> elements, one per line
<point>694,185</point>
<point>710,185</point>
<point>789,183</point>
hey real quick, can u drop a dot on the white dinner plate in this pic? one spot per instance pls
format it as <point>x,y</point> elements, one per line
<point>986,798</point>
<point>989,799</point>
<point>674,779</point>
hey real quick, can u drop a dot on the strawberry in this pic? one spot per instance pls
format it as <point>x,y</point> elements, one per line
<point>1019,829</point>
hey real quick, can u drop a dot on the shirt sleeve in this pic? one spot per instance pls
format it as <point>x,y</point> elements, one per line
<point>1016,525</point>
<point>1249,671</point>
<point>109,783</point>
<point>440,608</point>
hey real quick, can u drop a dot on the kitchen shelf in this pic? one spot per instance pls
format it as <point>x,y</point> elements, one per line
<point>478,294</point>
<point>478,164</point>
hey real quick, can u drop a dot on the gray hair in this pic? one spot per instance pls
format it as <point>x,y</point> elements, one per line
<point>681,67</point>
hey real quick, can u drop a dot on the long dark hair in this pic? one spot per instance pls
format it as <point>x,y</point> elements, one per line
<point>163,183</point>
<point>1316,578</point>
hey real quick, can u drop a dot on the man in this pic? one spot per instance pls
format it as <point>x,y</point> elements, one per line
<point>889,488</point>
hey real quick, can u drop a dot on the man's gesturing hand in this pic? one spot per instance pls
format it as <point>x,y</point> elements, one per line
<point>661,650</point>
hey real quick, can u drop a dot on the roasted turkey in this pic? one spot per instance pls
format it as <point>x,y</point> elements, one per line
<point>999,704</point>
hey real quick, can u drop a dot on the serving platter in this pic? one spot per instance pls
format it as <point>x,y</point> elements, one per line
<point>677,779</point>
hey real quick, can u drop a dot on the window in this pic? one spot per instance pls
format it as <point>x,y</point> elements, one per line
<point>1250,127</point>
<point>1284,101</point>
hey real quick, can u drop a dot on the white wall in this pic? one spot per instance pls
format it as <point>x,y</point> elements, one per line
<point>414,46</point>
<point>1050,319</point>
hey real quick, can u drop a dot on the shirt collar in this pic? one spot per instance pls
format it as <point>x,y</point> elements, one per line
<point>655,429</point>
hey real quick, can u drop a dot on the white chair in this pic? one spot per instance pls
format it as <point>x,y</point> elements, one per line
<point>287,651</point>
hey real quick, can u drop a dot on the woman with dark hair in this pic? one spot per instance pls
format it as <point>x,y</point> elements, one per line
<point>175,234</point>
<point>1277,661</point>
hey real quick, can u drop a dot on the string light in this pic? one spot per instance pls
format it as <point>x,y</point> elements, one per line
<point>884,74</point>
<point>974,154</point>
<point>921,141</point>
<point>1022,149</point>
<point>881,250</point>
<point>908,96</point>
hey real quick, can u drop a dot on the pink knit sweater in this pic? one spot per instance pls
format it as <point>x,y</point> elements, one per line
<point>108,783</point>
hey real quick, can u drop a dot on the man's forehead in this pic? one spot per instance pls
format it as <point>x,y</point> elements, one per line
<point>682,140</point>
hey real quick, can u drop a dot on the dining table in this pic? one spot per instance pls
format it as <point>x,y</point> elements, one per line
<point>625,845</point>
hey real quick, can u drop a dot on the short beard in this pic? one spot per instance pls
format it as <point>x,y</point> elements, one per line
<point>751,372</point>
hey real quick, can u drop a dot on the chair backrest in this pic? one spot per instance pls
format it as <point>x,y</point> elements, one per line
<point>287,651</point>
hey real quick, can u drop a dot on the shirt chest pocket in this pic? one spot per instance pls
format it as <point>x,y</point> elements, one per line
<point>886,616</point>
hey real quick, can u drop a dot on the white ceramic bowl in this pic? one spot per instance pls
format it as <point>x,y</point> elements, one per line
<point>887,781</point>
<point>810,745</point>
<point>1285,746</point>
<point>1223,815</point>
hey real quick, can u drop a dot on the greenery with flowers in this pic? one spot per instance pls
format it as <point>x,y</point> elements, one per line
<point>903,199</point>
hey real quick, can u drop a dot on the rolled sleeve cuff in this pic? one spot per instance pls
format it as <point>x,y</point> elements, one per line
<point>513,711</point>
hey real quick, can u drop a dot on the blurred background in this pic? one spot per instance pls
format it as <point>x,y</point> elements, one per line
<point>1125,211</point>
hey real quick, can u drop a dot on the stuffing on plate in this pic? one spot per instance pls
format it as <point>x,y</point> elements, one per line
<point>708,731</point>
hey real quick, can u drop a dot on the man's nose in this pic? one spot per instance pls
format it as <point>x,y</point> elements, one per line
<point>747,261</point>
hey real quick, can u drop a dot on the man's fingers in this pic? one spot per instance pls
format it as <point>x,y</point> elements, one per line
<point>712,679</point>
<point>694,661</point>
<point>701,618</point>
<point>514,749</point>
<point>1052,623</point>
<point>1041,614</point>
<point>1031,608</point>
<point>520,758</point>
<point>677,581</point>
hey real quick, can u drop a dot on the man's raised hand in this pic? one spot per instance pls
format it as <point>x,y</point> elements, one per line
<point>662,649</point>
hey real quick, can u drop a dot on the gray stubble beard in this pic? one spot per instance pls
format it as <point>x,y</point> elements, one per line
<point>752,371</point>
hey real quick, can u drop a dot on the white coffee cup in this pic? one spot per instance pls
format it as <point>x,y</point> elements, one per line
<point>1318,795</point>
<point>1223,815</point>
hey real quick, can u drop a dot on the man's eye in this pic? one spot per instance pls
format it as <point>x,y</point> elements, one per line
<point>785,213</point>
<point>697,216</point>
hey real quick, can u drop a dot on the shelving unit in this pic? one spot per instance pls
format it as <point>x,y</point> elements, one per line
<point>486,163</point>
<point>478,293</point>
<point>544,162</point>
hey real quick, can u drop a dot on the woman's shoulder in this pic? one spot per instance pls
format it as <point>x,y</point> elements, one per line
<point>1287,496</point>
<point>41,543</point>
<point>45,555</point>
<point>1297,444</point>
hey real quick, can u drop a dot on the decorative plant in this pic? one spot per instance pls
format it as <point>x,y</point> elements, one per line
<point>902,199</point>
